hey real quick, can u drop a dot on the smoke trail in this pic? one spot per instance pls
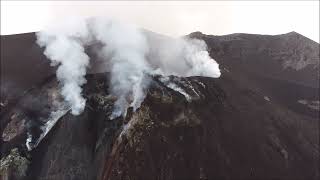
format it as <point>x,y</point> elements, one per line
<point>64,47</point>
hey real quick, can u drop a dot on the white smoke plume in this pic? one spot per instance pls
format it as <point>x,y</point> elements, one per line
<point>130,54</point>
<point>182,57</point>
<point>64,47</point>
<point>125,47</point>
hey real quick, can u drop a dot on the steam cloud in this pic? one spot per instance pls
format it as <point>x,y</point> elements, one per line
<point>65,47</point>
<point>130,54</point>
<point>125,47</point>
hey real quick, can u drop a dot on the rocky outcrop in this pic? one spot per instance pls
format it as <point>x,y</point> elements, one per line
<point>13,166</point>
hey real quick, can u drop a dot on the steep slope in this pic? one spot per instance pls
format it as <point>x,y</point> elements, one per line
<point>215,132</point>
<point>244,125</point>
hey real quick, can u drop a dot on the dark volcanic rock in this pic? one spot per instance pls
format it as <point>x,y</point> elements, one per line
<point>248,124</point>
<point>290,57</point>
<point>13,166</point>
<point>284,67</point>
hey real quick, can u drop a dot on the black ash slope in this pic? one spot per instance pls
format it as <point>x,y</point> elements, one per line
<point>248,124</point>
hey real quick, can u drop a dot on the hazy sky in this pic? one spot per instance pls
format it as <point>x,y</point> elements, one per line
<point>172,18</point>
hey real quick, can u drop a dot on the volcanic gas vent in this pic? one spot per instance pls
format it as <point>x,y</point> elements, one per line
<point>127,55</point>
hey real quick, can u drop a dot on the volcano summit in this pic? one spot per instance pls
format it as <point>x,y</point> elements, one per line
<point>139,105</point>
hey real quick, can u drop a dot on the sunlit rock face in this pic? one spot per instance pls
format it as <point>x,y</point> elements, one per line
<point>186,128</point>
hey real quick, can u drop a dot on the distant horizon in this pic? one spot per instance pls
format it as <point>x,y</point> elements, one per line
<point>186,34</point>
<point>180,17</point>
